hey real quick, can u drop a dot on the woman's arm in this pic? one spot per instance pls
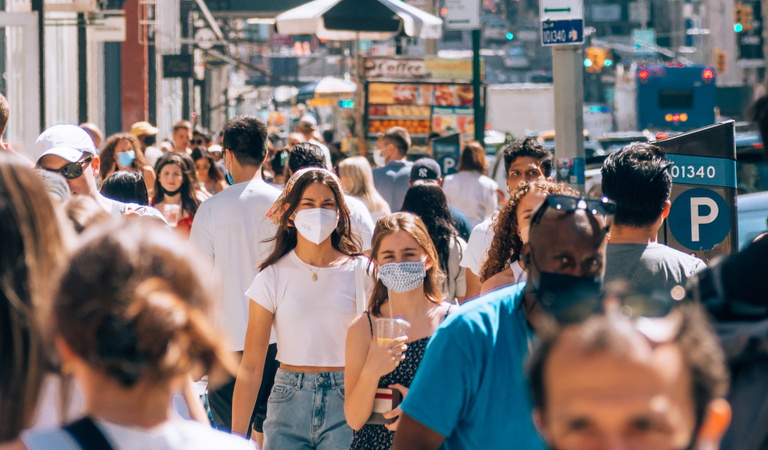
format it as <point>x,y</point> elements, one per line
<point>365,364</point>
<point>149,179</point>
<point>251,367</point>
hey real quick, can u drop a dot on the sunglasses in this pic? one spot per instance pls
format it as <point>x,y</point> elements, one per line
<point>198,142</point>
<point>72,170</point>
<point>566,203</point>
<point>581,306</point>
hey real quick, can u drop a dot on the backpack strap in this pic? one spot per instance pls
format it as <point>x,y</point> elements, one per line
<point>87,435</point>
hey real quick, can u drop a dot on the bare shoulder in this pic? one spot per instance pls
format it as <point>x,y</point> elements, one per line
<point>360,327</point>
<point>503,278</point>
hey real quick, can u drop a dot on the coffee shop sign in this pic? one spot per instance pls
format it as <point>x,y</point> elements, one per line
<point>394,68</point>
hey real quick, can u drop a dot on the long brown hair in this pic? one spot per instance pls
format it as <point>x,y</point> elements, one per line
<point>506,244</point>
<point>342,238</point>
<point>412,225</point>
<point>107,154</point>
<point>133,305</point>
<point>31,254</point>
<point>189,200</point>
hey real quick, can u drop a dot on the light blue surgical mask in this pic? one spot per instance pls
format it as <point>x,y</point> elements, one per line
<point>230,180</point>
<point>125,159</point>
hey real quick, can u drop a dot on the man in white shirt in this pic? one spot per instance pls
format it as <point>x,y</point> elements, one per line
<point>231,228</point>
<point>68,150</point>
<point>524,160</point>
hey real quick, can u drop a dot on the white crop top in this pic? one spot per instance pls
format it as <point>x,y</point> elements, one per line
<point>311,317</point>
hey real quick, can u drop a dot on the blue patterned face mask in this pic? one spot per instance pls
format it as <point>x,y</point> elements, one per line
<point>402,277</point>
<point>125,159</point>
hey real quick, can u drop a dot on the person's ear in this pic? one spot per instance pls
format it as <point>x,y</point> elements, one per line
<point>665,211</point>
<point>716,421</point>
<point>428,263</point>
<point>96,165</point>
<point>540,423</point>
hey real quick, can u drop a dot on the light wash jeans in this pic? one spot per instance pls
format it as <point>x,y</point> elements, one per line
<point>306,411</point>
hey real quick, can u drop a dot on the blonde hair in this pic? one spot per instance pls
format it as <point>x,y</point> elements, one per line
<point>358,171</point>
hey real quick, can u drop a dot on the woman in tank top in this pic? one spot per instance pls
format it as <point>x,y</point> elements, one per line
<point>408,287</point>
<point>306,290</point>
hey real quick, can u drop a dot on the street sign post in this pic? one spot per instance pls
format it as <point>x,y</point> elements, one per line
<point>562,22</point>
<point>702,219</point>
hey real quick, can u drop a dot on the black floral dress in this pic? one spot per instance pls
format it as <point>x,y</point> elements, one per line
<point>377,437</point>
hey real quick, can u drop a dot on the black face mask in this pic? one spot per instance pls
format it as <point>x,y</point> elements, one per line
<point>568,298</point>
<point>168,193</point>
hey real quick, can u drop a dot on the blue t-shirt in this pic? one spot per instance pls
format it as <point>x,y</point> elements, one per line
<point>470,386</point>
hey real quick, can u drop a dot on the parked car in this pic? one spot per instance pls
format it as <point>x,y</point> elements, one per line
<point>752,216</point>
<point>515,57</point>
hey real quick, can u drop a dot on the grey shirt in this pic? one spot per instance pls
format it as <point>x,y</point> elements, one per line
<point>650,265</point>
<point>392,182</point>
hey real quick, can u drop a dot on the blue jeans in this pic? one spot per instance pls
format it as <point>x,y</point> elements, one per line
<point>306,411</point>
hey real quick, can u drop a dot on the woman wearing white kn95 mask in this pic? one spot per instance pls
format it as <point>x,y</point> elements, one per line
<point>309,289</point>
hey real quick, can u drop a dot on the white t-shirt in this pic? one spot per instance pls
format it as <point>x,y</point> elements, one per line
<point>477,247</point>
<point>472,193</point>
<point>310,317</point>
<point>230,228</point>
<point>176,434</point>
<point>361,221</point>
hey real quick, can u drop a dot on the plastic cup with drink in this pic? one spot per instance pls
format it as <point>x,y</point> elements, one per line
<point>172,213</point>
<point>388,329</point>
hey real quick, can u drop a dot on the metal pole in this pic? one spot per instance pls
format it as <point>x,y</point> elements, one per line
<point>82,69</point>
<point>477,102</point>
<point>37,6</point>
<point>569,110</point>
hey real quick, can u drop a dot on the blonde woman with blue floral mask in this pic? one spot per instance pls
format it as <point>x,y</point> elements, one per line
<point>308,289</point>
<point>379,373</point>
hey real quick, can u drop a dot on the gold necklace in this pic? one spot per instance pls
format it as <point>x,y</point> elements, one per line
<point>309,267</point>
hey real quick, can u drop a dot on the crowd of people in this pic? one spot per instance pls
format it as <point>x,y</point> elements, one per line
<point>244,295</point>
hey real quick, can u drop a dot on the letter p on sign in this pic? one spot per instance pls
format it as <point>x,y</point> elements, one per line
<point>698,220</point>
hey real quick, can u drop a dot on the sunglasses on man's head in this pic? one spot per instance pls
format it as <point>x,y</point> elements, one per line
<point>72,170</point>
<point>566,203</point>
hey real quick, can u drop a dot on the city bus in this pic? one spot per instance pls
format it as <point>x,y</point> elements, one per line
<point>675,98</point>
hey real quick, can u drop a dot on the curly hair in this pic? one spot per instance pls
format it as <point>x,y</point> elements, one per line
<point>506,244</point>
<point>107,154</point>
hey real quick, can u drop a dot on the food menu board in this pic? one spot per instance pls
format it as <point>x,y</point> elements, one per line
<point>453,95</point>
<point>420,108</point>
<point>399,94</point>
<point>453,120</point>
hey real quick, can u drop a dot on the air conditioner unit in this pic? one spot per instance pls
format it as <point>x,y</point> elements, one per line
<point>78,6</point>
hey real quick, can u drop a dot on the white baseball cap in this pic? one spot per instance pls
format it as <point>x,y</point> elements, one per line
<point>65,141</point>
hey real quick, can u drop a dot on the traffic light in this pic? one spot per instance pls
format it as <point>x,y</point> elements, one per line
<point>721,61</point>
<point>594,59</point>
<point>742,17</point>
<point>738,19</point>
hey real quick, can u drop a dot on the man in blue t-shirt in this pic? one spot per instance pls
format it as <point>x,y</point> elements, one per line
<point>470,389</point>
